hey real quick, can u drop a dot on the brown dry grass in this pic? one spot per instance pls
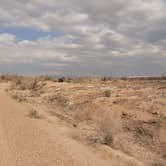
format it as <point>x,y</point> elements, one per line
<point>34,114</point>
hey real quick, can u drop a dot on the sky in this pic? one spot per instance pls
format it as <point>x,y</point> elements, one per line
<point>83,37</point>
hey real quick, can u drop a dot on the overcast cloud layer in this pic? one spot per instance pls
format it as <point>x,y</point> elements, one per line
<point>89,37</point>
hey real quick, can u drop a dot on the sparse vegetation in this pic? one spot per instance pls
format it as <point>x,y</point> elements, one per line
<point>89,106</point>
<point>18,97</point>
<point>107,127</point>
<point>107,93</point>
<point>25,83</point>
<point>47,78</point>
<point>106,78</point>
<point>34,114</point>
<point>8,77</point>
<point>15,96</point>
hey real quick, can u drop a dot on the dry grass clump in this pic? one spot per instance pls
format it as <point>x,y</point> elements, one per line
<point>25,83</point>
<point>8,77</point>
<point>102,127</point>
<point>17,97</point>
<point>34,114</point>
<point>21,82</point>
<point>47,78</point>
<point>105,130</point>
<point>108,125</point>
<point>106,78</point>
<point>107,93</point>
<point>30,84</point>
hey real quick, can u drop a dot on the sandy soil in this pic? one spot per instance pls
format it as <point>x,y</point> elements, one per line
<point>66,130</point>
<point>25,141</point>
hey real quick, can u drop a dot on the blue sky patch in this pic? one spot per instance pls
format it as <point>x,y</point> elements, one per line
<point>29,34</point>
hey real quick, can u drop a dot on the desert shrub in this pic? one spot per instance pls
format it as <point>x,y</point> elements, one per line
<point>105,127</point>
<point>26,84</point>
<point>8,77</point>
<point>34,114</point>
<point>123,78</point>
<point>108,139</point>
<point>17,81</point>
<point>103,79</point>
<point>18,97</point>
<point>15,96</point>
<point>108,126</point>
<point>2,78</point>
<point>47,78</point>
<point>22,87</point>
<point>107,93</point>
<point>106,78</point>
<point>32,84</point>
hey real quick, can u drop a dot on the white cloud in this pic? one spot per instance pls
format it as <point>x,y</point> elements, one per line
<point>43,50</point>
<point>6,38</point>
<point>107,28</point>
